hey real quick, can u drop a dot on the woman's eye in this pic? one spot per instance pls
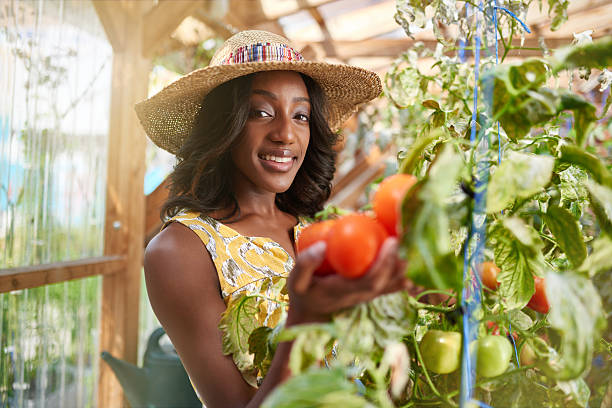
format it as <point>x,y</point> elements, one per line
<point>258,113</point>
<point>302,117</point>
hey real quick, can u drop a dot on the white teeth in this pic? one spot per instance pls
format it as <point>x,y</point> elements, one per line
<point>276,158</point>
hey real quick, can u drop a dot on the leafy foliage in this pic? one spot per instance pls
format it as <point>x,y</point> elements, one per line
<point>547,213</point>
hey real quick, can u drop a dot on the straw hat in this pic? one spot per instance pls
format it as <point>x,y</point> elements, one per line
<point>168,116</point>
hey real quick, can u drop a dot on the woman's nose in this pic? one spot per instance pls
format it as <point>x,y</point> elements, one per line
<point>284,129</point>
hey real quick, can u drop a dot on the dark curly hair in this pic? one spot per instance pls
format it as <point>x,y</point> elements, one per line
<point>201,180</point>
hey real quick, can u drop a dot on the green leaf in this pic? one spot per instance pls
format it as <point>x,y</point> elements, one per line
<point>528,74</point>
<point>402,86</point>
<point>600,259</point>
<point>603,195</point>
<point>516,248</point>
<point>431,104</point>
<point>259,346</point>
<point>578,389</point>
<point>579,157</point>
<point>311,343</point>
<point>584,114</point>
<point>565,228</point>
<point>426,241</point>
<point>317,388</point>
<point>520,175</point>
<point>597,54</point>
<point>576,313</point>
<point>511,104</point>
<point>393,316</point>
<point>573,184</point>
<point>413,155</point>
<point>520,319</point>
<point>559,10</point>
<point>237,323</point>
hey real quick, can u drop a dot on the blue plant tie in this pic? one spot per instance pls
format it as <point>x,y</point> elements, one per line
<point>499,141</point>
<point>481,404</point>
<point>514,17</point>
<point>471,292</point>
<point>518,363</point>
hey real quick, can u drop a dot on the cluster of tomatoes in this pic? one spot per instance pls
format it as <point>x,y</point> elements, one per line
<point>353,240</point>
<point>539,302</point>
<point>441,353</point>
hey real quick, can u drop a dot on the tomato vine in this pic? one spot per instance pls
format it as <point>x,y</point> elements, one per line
<point>544,211</point>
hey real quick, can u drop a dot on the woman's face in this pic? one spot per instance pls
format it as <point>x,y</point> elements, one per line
<point>276,135</point>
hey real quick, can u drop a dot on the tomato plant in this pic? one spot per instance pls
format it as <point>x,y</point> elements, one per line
<point>441,351</point>
<point>539,301</point>
<point>353,243</point>
<point>493,355</point>
<point>538,187</point>
<point>387,200</point>
<point>488,274</point>
<point>312,233</point>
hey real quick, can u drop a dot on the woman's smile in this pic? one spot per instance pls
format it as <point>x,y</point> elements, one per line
<point>281,160</point>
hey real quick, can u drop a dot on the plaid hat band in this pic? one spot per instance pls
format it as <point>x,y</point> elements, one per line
<point>262,52</point>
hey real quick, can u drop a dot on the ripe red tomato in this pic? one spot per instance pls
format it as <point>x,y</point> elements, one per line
<point>388,199</point>
<point>539,301</point>
<point>488,275</point>
<point>353,243</point>
<point>314,233</point>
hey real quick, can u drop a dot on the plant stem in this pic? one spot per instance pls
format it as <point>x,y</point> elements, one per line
<point>444,398</point>
<point>430,291</point>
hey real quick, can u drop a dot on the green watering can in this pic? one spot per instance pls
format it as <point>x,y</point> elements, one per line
<point>161,382</point>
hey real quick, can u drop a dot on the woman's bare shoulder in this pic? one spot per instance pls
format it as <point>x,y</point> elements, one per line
<point>177,253</point>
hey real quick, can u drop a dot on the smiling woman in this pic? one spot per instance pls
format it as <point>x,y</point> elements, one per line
<point>254,141</point>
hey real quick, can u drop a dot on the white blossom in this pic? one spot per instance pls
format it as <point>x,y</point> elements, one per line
<point>583,37</point>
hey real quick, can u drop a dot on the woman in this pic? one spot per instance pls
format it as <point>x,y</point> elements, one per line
<point>254,157</point>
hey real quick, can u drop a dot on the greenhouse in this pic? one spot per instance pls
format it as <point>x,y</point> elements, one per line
<point>305,203</point>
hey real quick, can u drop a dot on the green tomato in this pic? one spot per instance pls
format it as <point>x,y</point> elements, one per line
<point>493,355</point>
<point>441,351</point>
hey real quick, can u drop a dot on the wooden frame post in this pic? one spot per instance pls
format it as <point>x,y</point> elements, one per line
<point>125,200</point>
<point>135,29</point>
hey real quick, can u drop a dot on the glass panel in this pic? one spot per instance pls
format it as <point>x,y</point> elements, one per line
<point>50,341</point>
<point>54,110</point>
<point>55,84</point>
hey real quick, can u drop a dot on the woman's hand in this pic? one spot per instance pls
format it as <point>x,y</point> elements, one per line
<point>313,298</point>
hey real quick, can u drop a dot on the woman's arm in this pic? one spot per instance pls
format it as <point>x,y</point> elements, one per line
<point>184,291</point>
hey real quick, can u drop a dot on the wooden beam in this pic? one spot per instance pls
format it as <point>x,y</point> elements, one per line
<point>154,202</point>
<point>328,45</point>
<point>125,203</point>
<point>161,21</point>
<point>223,30</point>
<point>539,17</point>
<point>274,9</point>
<point>113,18</point>
<point>347,189</point>
<point>394,47</point>
<point>358,24</point>
<point>40,275</point>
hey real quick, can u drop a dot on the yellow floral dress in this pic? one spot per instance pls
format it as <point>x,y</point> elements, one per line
<point>245,265</point>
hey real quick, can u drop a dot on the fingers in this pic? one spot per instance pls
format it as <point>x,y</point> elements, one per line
<point>306,263</point>
<point>385,265</point>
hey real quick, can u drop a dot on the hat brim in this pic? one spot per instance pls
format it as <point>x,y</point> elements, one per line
<point>168,116</point>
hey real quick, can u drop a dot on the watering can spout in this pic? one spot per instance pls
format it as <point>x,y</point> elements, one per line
<point>162,382</point>
<point>132,378</point>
